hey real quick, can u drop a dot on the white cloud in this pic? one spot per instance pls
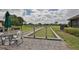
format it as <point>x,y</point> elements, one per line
<point>42,15</point>
<point>72,12</point>
<point>17,12</point>
<point>45,16</point>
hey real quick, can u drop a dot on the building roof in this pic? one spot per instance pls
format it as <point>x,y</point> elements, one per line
<point>74,18</point>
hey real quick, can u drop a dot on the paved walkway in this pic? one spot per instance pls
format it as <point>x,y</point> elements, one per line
<point>40,44</point>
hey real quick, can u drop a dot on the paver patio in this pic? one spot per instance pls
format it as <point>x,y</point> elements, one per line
<point>37,44</point>
<point>40,44</point>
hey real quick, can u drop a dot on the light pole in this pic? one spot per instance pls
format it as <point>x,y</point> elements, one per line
<point>46,31</point>
<point>34,30</point>
<point>46,28</point>
<point>34,27</point>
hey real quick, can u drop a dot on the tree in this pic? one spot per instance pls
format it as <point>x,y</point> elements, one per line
<point>30,24</point>
<point>39,24</point>
<point>20,21</point>
<point>13,19</point>
<point>16,21</point>
<point>56,22</point>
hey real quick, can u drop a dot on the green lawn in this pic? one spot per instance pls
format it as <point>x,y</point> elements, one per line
<point>50,33</point>
<point>42,32</point>
<point>27,28</point>
<point>71,40</point>
<point>73,31</point>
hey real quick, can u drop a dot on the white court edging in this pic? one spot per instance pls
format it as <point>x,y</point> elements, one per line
<point>32,32</point>
<point>58,37</point>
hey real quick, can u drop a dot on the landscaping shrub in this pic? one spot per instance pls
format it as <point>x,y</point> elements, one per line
<point>73,31</point>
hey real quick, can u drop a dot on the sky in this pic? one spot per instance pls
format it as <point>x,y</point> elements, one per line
<point>42,15</point>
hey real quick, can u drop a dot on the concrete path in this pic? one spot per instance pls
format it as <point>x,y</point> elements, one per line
<point>38,44</point>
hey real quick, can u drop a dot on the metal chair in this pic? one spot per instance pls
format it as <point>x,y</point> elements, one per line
<point>17,38</point>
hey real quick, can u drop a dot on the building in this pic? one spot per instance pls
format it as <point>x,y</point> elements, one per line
<point>1,23</point>
<point>74,21</point>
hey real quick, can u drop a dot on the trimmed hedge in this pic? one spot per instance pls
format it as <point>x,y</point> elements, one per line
<point>73,31</point>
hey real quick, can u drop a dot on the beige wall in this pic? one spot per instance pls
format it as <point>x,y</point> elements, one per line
<point>0,24</point>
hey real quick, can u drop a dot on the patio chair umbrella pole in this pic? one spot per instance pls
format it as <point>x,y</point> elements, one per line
<point>8,22</point>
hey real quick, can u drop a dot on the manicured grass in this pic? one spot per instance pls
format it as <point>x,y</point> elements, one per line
<point>42,33</point>
<point>50,33</point>
<point>71,40</point>
<point>73,31</point>
<point>27,28</point>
